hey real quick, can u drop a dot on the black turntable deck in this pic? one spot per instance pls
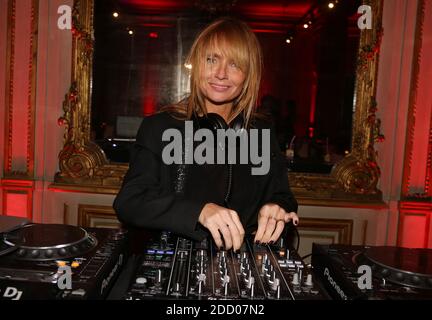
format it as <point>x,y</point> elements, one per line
<point>31,257</point>
<point>398,273</point>
<point>41,242</point>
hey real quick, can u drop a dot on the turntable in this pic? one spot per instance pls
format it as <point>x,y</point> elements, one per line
<point>31,257</point>
<point>41,242</point>
<point>398,273</point>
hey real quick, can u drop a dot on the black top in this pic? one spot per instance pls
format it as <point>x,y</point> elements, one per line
<point>150,198</point>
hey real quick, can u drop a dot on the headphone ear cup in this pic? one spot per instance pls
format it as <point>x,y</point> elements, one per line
<point>217,121</point>
<point>237,124</point>
<point>212,121</point>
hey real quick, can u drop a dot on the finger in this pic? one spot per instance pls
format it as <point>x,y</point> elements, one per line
<point>295,219</point>
<point>216,235</point>
<point>262,223</point>
<point>280,214</point>
<point>235,236</point>
<point>235,218</point>
<point>226,234</point>
<point>271,225</point>
<point>280,225</point>
<point>292,216</point>
<point>232,227</point>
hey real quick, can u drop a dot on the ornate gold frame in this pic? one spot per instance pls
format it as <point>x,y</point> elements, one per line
<point>84,167</point>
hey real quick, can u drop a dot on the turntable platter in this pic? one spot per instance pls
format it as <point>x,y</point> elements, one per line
<point>49,241</point>
<point>410,260</point>
<point>405,266</point>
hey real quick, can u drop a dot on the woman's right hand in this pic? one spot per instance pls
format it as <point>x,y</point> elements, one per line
<point>222,221</point>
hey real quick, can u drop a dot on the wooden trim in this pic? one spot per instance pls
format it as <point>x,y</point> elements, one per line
<point>414,208</point>
<point>343,227</point>
<point>83,188</point>
<point>10,56</point>
<point>66,214</point>
<point>18,187</point>
<point>31,102</point>
<point>109,190</point>
<point>428,178</point>
<point>364,231</point>
<point>376,205</point>
<point>405,190</point>
<point>31,111</point>
<point>87,212</point>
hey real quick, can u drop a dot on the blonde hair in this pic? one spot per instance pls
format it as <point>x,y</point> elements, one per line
<point>237,42</point>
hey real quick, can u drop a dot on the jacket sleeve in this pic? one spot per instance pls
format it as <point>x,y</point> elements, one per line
<point>147,200</point>
<point>280,193</point>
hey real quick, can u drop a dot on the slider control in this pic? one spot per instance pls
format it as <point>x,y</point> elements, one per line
<point>159,277</point>
<point>309,282</point>
<point>201,281</point>
<point>225,282</point>
<point>295,280</point>
<point>251,286</point>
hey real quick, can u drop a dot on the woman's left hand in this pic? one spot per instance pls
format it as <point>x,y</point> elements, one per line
<point>271,222</point>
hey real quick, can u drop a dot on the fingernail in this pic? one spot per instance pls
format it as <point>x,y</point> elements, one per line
<point>257,242</point>
<point>271,242</point>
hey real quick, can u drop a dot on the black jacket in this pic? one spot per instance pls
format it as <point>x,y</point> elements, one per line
<point>149,197</point>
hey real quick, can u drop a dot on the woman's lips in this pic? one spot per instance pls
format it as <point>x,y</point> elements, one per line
<point>218,87</point>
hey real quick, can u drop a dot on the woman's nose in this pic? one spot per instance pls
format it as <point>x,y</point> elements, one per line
<point>221,71</point>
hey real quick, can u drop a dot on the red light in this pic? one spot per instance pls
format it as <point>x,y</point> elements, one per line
<point>153,35</point>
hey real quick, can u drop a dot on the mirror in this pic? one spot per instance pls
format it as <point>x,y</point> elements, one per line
<point>319,88</point>
<point>307,86</point>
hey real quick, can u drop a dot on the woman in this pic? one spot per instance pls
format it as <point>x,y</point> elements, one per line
<point>226,70</point>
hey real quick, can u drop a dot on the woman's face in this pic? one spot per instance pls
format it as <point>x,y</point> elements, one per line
<point>221,81</point>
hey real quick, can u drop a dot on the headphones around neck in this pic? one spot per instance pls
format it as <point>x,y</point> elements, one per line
<point>214,121</point>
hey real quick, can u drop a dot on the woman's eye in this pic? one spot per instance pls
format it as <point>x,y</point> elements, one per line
<point>211,60</point>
